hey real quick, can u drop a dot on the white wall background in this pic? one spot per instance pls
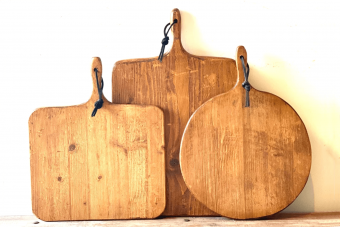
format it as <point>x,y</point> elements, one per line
<point>46,49</point>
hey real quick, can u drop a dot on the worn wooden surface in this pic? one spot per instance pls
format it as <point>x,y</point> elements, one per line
<point>245,162</point>
<point>111,166</point>
<point>179,85</point>
<point>281,219</point>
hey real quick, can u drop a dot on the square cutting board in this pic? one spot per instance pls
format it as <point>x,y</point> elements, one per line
<point>110,166</point>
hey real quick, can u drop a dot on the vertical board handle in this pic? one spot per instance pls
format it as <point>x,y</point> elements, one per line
<point>176,28</point>
<point>241,51</point>
<point>96,64</point>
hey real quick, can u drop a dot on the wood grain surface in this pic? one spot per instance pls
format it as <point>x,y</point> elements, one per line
<point>179,85</point>
<point>111,166</point>
<point>245,162</point>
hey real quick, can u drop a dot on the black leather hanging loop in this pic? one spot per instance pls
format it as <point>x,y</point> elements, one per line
<point>246,84</point>
<point>165,41</point>
<point>99,103</point>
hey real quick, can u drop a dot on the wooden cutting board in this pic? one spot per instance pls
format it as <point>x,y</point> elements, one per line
<point>245,162</point>
<point>179,85</point>
<point>110,166</point>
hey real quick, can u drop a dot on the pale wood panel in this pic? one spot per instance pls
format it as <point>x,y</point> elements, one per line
<point>179,85</point>
<point>111,166</point>
<point>245,162</point>
<point>281,219</point>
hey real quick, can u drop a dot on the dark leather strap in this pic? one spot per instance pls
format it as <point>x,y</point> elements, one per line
<point>99,103</point>
<point>246,84</point>
<point>165,41</point>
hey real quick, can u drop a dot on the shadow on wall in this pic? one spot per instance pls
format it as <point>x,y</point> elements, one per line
<point>276,76</point>
<point>305,201</point>
<point>192,37</point>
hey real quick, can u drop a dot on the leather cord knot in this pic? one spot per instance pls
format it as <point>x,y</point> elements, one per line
<point>165,40</point>
<point>246,84</point>
<point>99,103</point>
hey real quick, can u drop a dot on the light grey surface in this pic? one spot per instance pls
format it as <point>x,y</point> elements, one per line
<point>316,219</point>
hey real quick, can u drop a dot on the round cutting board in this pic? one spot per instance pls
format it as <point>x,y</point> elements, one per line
<point>245,162</point>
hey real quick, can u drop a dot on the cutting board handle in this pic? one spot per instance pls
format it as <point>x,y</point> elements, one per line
<point>96,63</point>
<point>240,51</point>
<point>176,28</point>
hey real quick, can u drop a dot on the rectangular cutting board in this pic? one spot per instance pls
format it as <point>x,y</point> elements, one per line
<point>179,85</point>
<point>110,166</point>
